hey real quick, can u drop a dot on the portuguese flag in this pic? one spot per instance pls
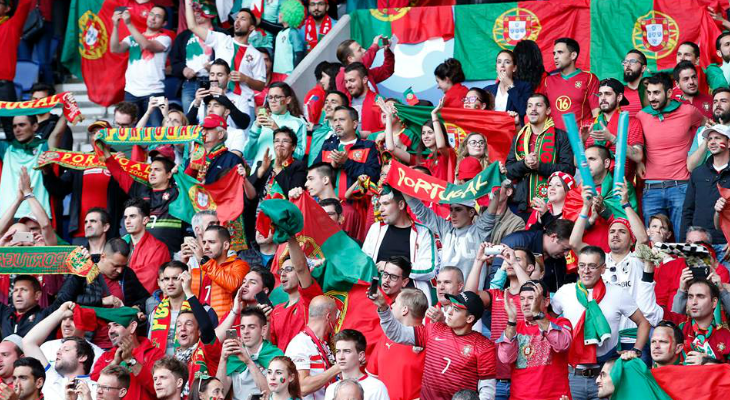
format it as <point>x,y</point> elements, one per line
<point>408,24</point>
<point>86,50</point>
<point>225,196</point>
<point>483,30</point>
<point>710,382</point>
<point>346,273</point>
<point>496,126</point>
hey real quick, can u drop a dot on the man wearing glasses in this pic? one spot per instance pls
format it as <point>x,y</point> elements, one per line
<point>318,24</point>
<point>634,66</point>
<point>596,311</point>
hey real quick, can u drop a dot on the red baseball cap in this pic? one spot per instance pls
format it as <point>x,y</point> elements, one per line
<point>165,150</point>
<point>214,121</point>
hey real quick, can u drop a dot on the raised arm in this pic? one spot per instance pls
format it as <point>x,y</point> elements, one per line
<point>472,281</point>
<point>198,30</point>
<point>438,133</point>
<point>393,329</point>
<point>115,45</point>
<point>144,43</point>
<point>637,224</point>
<point>54,139</point>
<point>49,235</point>
<point>230,319</point>
<point>389,140</point>
<point>39,333</point>
<point>299,259</point>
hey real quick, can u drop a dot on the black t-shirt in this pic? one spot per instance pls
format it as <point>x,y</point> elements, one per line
<point>396,242</point>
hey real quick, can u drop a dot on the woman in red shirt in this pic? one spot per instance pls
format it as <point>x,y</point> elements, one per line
<point>449,76</point>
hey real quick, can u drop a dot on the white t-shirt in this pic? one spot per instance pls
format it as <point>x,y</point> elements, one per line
<point>252,64</point>
<point>50,350</point>
<point>146,70</point>
<point>54,386</point>
<point>306,356</point>
<point>616,304</point>
<point>374,389</point>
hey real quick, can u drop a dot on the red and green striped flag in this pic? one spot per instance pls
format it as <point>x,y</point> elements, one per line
<point>409,24</point>
<point>225,196</point>
<point>497,127</point>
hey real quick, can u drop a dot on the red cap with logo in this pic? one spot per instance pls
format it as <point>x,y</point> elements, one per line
<point>214,121</point>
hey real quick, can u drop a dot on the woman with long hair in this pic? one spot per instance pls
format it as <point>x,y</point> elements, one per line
<point>529,64</point>
<point>282,109</point>
<point>559,184</point>
<point>478,99</point>
<point>283,379</point>
<point>472,157</point>
<point>206,388</point>
<point>510,94</point>
<point>449,77</point>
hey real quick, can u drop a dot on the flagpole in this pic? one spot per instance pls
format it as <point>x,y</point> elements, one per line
<point>580,154</point>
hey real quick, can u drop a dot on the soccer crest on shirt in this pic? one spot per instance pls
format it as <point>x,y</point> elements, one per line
<point>467,350</point>
<point>706,106</point>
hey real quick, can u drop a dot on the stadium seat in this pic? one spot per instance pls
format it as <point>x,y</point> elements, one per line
<point>26,74</point>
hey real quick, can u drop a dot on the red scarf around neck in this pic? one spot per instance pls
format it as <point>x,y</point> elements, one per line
<point>579,352</point>
<point>311,36</point>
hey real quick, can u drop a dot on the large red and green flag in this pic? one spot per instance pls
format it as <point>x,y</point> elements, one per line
<point>225,196</point>
<point>86,50</point>
<point>483,30</point>
<point>496,126</point>
<point>683,382</point>
<point>346,273</point>
<point>408,24</point>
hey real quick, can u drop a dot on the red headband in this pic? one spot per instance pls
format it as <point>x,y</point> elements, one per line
<point>567,179</point>
<point>624,222</point>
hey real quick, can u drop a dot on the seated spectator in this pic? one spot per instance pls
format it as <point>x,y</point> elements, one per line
<point>74,359</point>
<point>283,379</point>
<point>290,48</point>
<point>219,278</point>
<point>96,228</point>
<point>147,56</point>
<point>400,236</point>
<point>535,333</point>
<point>686,77</point>
<point>317,24</point>
<point>350,52</point>
<point>146,251</point>
<point>445,339</point>
<point>667,344</point>
<point>324,131</point>
<point>115,381</point>
<point>510,94</point>
<point>310,352</point>
<point>283,111</point>
<point>362,98</point>
<point>449,77</point>
<point>29,378</point>
<point>538,150</point>
<point>350,355</point>
<point>170,376</point>
<point>47,121</point>
<point>400,367</point>
<point>290,318</point>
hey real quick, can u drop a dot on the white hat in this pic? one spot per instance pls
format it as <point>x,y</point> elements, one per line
<point>719,128</point>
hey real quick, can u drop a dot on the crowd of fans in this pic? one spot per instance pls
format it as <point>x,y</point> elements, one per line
<point>532,292</point>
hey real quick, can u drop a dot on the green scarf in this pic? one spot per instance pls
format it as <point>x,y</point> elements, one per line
<point>671,106</point>
<point>28,147</point>
<point>595,327</point>
<point>633,380</point>
<point>268,351</point>
<point>285,216</point>
<point>612,201</point>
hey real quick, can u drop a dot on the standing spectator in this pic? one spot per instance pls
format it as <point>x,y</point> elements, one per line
<point>538,150</point>
<point>685,76</point>
<point>362,98</point>
<point>11,30</point>
<point>350,347</point>
<point>510,93</point>
<point>145,74</point>
<point>247,63</point>
<point>126,114</point>
<point>47,121</point>
<point>690,52</point>
<point>449,77</point>
<point>570,89</point>
<point>147,252</point>
<point>719,75</point>
<point>702,190</point>
<point>634,67</point>
<point>398,366</point>
<point>19,317</point>
<point>29,378</point>
<point>452,346</point>
<point>218,159</point>
<point>284,110</point>
<point>290,49</point>
<point>317,24</point>
<point>537,346</point>
<point>669,127</point>
<point>529,62</point>
<point>400,236</point>
<point>698,153</point>
<point>350,52</point>
<point>310,351</point>
<point>667,344</point>
<point>592,300</point>
<point>274,179</point>
<point>321,181</point>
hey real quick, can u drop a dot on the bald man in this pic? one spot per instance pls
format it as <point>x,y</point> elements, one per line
<point>310,352</point>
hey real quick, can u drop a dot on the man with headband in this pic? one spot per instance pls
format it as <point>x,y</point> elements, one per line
<point>623,267</point>
<point>537,346</point>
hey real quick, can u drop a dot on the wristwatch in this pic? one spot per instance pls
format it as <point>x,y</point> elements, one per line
<point>539,316</point>
<point>131,362</point>
<point>510,323</point>
<point>637,351</point>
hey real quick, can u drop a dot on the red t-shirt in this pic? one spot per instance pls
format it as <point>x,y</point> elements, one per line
<point>399,367</point>
<point>141,386</point>
<point>576,93</point>
<point>443,166</point>
<point>314,102</point>
<point>634,99</point>
<point>287,322</point>
<point>499,324</point>
<point>635,137</point>
<point>539,372</point>
<point>717,344</point>
<point>10,32</point>
<point>667,276</point>
<point>454,97</point>
<point>702,102</point>
<point>453,362</point>
<point>95,181</point>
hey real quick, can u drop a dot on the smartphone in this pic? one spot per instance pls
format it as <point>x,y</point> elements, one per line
<point>204,83</point>
<point>700,272</point>
<point>263,298</point>
<point>374,286</point>
<point>493,251</point>
<point>255,397</point>
<point>76,383</point>
<point>121,9</point>
<point>385,41</point>
<point>158,99</point>
<point>188,239</point>
<point>23,237</point>
<point>262,112</point>
<point>231,334</point>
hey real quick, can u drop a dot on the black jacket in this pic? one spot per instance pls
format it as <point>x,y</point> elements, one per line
<point>295,175</point>
<point>220,166</point>
<point>516,97</point>
<point>702,194</point>
<point>518,172</point>
<point>77,290</point>
<point>11,324</point>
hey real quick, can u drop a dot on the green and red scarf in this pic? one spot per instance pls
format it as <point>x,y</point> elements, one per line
<point>592,329</point>
<point>207,159</point>
<point>311,36</point>
<point>701,341</point>
<point>545,148</point>
<point>47,260</point>
<point>162,323</point>
<point>268,351</point>
<point>41,106</point>
<point>77,160</point>
<point>670,107</point>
